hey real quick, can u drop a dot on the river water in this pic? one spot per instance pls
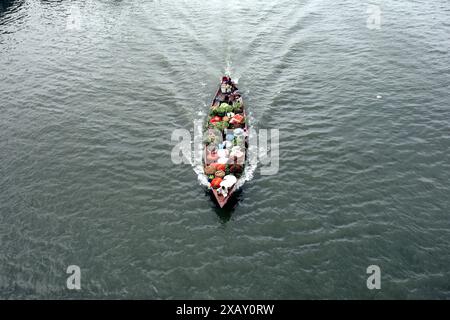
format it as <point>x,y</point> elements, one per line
<point>91,92</point>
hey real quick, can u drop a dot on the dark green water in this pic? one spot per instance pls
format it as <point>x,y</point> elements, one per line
<point>86,178</point>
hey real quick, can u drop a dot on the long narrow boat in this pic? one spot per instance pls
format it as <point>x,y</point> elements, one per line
<point>225,150</point>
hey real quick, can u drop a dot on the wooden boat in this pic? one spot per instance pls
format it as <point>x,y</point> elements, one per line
<point>219,99</point>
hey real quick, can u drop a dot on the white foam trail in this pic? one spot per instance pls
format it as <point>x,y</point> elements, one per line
<point>197,163</point>
<point>229,71</point>
<point>228,68</point>
<point>252,154</point>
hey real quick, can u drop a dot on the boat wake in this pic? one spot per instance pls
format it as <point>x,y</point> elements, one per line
<point>228,71</point>
<point>252,152</point>
<point>197,163</point>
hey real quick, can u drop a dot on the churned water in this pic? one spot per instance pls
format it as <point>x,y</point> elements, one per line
<point>91,92</point>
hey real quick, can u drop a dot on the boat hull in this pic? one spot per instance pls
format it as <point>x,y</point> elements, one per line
<point>220,199</point>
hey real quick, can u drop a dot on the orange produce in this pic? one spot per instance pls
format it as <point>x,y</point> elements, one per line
<point>215,183</point>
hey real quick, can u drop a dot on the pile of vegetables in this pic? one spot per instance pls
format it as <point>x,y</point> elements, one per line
<point>223,152</point>
<point>225,108</point>
<point>221,110</point>
<point>215,183</point>
<point>212,137</point>
<point>236,169</point>
<point>216,170</point>
<point>221,123</point>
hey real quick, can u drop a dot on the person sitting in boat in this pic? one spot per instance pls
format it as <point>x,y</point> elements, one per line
<point>225,87</point>
<point>228,85</point>
<point>232,87</point>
